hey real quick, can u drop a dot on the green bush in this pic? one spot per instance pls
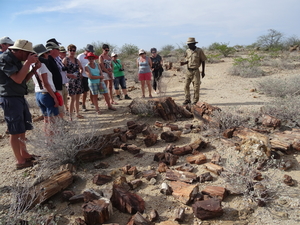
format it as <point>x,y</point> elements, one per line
<point>213,58</point>
<point>223,48</point>
<point>166,50</point>
<point>252,60</point>
<point>129,50</point>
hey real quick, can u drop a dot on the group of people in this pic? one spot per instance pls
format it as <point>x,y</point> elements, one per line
<point>57,75</point>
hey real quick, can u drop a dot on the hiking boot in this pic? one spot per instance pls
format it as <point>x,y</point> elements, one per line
<point>119,97</point>
<point>186,102</point>
<point>127,97</point>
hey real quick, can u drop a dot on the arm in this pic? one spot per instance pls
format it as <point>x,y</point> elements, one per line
<point>48,88</point>
<point>80,68</point>
<point>150,62</point>
<point>23,74</point>
<point>87,70</point>
<point>69,75</point>
<point>32,72</point>
<point>203,69</point>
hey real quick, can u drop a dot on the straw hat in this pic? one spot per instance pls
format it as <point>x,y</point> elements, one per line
<point>90,54</point>
<point>191,41</point>
<point>22,45</point>
<point>52,45</point>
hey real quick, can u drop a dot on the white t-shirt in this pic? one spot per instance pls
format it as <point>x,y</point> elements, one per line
<point>83,62</point>
<point>43,69</point>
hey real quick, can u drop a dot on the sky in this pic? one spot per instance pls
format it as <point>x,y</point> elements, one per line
<point>147,24</point>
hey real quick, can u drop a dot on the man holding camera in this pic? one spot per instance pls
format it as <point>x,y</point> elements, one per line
<point>13,78</point>
<point>195,57</point>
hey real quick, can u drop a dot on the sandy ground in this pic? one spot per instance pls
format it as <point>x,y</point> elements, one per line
<point>219,89</point>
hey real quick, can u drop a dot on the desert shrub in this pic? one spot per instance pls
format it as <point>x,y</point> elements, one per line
<point>278,87</point>
<point>247,67</point>
<point>98,47</point>
<point>223,48</point>
<point>181,48</point>
<point>65,141</point>
<point>213,58</point>
<point>286,109</point>
<point>129,50</point>
<point>166,49</point>
<point>230,117</point>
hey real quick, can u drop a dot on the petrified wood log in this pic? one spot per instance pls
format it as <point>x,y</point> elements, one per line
<point>148,174</point>
<point>288,180</point>
<point>101,179</point>
<point>138,219</point>
<point>179,214</point>
<point>214,168</point>
<point>43,191</point>
<point>150,140</point>
<point>271,121</point>
<point>99,148</point>
<point>76,199</point>
<point>90,195</point>
<point>196,159</point>
<point>214,191</point>
<point>216,158</point>
<point>286,141</point>
<point>207,209</point>
<point>170,136</point>
<point>97,211</point>
<point>127,202</point>
<point>183,192</point>
<point>135,184</point>
<point>205,177</point>
<point>183,176</point>
<point>162,167</point>
<point>185,167</point>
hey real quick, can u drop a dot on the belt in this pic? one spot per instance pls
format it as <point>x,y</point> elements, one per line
<point>193,69</point>
<point>43,93</point>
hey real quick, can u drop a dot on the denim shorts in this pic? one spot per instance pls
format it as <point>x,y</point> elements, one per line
<point>119,81</point>
<point>97,88</point>
<point>46,103</point>
<point>16,113</point>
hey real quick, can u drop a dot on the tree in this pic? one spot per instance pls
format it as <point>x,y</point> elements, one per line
<point>271,40</point>
<point>129,49</point>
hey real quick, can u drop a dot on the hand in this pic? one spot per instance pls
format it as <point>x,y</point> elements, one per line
<point>56,102</point>
<point>203,74</point>
<point>37,65</point>
<point>32,58</point>
<point>72,76</point>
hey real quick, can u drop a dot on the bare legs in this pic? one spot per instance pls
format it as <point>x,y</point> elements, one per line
<point>148,83</point>
<point>75,103</point>
<point>18,145</point>
<point>109,85</point>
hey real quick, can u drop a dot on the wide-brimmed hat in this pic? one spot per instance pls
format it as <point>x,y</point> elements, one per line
<point>22,45</point>
<point>89,48</point>
<point>52,45</point>
<point>62,49</point>
<point>6,40</point>
<point>113,54</point>
<point>54,41</point>
<point>191,40</point>
<point>40,49</point>
<point>142,51</point>
<point>90,54</point>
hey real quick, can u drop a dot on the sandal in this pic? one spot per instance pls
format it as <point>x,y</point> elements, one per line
<point>112,108</point>
<point>32,158</point>
<point>80,116</point>
<point>98,112</point>
<point>24,165</point>
<point>114,103</point>
<point>150,96</point>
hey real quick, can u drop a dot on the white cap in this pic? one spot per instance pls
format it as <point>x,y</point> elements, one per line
<point>6,40</point>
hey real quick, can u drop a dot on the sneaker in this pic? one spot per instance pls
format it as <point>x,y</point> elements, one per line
<point>119,97</point>
<point>127,97</point>
<point>84,108</point>
<point>186,102</point>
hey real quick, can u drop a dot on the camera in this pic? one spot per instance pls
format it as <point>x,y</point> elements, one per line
<point>64,68</point>
<point>121,69</point>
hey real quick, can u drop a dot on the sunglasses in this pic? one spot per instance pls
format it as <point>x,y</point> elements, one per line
<point>153,52</point>
<point>107,50</point>
<point>72,50</point>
